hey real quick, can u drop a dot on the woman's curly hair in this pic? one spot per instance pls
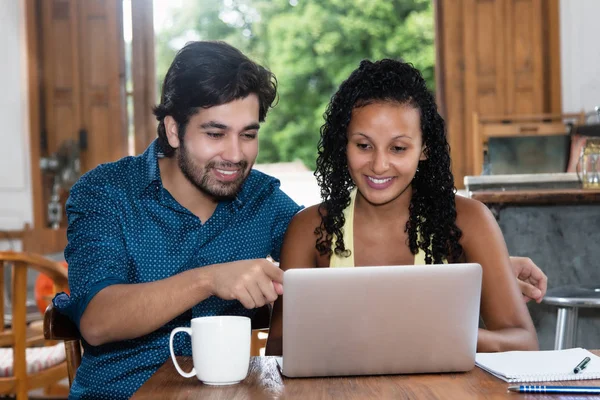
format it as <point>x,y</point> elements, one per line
<point>432,208</point>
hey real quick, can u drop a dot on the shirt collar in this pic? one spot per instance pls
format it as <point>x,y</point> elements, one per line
<point>151,172</point>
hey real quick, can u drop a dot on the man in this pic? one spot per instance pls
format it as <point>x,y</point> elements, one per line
<point>180,231</point>
<point>140,227</point>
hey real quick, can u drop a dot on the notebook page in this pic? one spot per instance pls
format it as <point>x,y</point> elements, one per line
<point>539,366</point>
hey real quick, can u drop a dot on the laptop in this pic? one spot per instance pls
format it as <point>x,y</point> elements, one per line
<point>380,320</point>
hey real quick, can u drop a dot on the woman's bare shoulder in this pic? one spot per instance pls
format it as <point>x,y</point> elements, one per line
<point>476,222</point>
<point>470,211</point>
<point>300,240</point>
<point>306,220</point>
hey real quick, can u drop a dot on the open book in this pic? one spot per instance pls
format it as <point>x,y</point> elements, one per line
<point>539,366</point>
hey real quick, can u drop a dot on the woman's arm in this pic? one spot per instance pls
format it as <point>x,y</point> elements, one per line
<point>507,320</point>
<point>298,251</point>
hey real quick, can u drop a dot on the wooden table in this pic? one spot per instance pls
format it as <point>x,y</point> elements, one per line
<point>265,382</point>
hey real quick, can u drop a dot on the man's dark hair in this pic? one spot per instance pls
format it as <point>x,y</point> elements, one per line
<point>205,74</point>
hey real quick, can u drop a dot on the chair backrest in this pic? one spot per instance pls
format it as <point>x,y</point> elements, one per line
<point>485,128</point>
<point>16,335</point>
<point>59,327</point>
<point>260,329</point>
<point>579,137</point>
<point>44,240</point>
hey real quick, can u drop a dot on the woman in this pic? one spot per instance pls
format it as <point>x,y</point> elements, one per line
<point>384,172</point>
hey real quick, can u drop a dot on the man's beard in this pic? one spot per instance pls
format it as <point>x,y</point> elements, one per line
<point>207,184</point>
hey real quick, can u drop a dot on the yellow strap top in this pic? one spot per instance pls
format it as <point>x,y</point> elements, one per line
<point>337,261</point>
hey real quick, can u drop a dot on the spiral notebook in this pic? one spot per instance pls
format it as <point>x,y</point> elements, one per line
<point>539,366</point>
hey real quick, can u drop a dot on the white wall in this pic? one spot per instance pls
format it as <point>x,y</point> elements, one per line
<point>580,54</point>
<point>15,180</point>
<point>301,186</point>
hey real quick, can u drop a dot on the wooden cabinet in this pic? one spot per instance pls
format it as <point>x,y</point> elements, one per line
<point>76,87</point>
<point>83,77</point>
<point>495,57</point>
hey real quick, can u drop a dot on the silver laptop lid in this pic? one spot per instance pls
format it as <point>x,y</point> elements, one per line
<point>380,320</point>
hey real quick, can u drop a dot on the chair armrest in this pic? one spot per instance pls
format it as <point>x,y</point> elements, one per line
<point>58,326</point>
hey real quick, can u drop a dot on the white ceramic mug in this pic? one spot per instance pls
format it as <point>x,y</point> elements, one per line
<point>220,349</point>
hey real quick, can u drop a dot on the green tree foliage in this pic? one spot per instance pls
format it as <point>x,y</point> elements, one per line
<point>311,46</point>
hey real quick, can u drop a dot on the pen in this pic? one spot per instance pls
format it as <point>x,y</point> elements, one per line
<point>581,366</point>
<point>555,389</point>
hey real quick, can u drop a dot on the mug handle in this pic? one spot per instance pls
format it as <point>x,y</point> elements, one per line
<point>181,372</point>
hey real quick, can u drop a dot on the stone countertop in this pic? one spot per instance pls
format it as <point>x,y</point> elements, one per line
<point>555,188</point>
<point>538,196</point>
<point>567,177</point>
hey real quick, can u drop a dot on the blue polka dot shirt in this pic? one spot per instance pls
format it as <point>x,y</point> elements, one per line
<point>124,227</point>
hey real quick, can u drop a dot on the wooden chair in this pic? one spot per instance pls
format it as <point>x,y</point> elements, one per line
<point>485,128</point>
<point>46,364</point>
<point>260,330</point>
<point>579,137</point>
<point>59,327</point>
<point>44,240</point>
